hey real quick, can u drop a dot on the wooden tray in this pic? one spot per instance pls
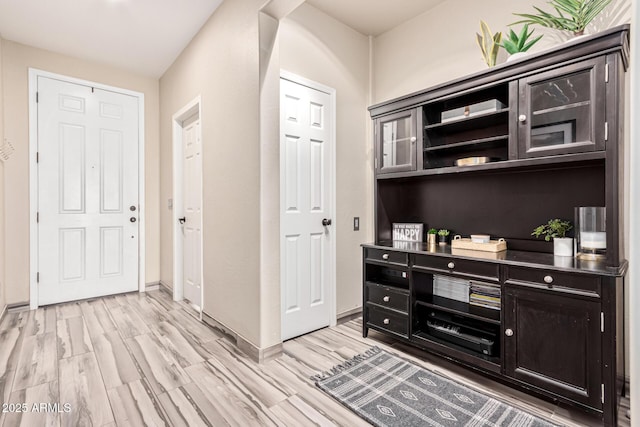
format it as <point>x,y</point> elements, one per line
<point>493,245</point>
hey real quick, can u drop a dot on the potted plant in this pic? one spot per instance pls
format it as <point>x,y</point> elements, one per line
<point>517,44</point>
<point>577,15</point>
<point>489,44</point>
<point>431,236</point>
<point>556,229</point>
<point>443,236</point>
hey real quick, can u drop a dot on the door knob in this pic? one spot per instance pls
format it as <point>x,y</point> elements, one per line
<point>522,118</point>
<point>326,222</point>
<point>132,208</point>
<point>508,332</point>
<point>182,220</point>
<point>133,219</point>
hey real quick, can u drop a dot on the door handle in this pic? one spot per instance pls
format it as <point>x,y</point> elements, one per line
<point>182,220</point>
<point>326,222</point>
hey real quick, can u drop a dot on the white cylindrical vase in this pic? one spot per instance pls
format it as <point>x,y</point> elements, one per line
<point>563,246</point>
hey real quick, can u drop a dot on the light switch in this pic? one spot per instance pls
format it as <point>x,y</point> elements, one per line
<point>356,223</point>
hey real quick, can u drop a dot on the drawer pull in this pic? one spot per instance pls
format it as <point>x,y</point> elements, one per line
<point>386,298</point>
<point>548,279</point>
<point>451,265</point>
<point>385,321</point>
<point>385,257</point>
<point>508,332</point>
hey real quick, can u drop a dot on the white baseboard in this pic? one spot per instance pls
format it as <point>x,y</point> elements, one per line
<point>259,355</point>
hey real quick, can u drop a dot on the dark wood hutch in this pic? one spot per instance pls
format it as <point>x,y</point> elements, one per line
<point>555,143</point>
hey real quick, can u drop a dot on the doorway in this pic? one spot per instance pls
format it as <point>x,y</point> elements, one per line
<point>307,205</point>
<point>86,189</point>
<point>187,205</point>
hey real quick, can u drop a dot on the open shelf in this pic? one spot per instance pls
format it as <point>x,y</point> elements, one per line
<point>461,308</point>
<point>425,339</point>
<point>473,122</point>
<point>466,144</point>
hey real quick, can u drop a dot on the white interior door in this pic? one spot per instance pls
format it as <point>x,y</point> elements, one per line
<point>192,210</point>
<point>87,192</point>
<point>306,144</point>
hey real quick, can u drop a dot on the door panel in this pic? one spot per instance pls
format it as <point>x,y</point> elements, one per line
<point>556,342</point>
<point>87,173</point>
<point>306,138</point>
<point>192,210</point>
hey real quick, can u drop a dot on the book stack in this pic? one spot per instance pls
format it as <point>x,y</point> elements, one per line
<point>451,287</point>
<point>484,295</point>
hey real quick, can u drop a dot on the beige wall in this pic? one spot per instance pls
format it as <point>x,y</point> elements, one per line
<point>222,65</point>
<point>440,45</point>
<point>2,225</point>
<point>16,59</point>
<point>317,47</point>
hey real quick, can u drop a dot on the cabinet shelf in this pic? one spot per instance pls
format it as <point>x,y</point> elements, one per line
<point>425,339</point>
<point>462,308</point>
<point>465,144</point>
<point>467,123</point>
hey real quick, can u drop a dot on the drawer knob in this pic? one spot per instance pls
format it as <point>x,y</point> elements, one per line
<point>522,118</point>
<point>386,298</point>
<point>385,257</point>
<point>508,332</point>
<point>548,279</point>
<point>385,321</point>
<point>451,265</point>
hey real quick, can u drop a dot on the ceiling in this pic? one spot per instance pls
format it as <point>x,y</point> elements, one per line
<point>146,36</point>
<point>373,17</point>
<point>143,36</point>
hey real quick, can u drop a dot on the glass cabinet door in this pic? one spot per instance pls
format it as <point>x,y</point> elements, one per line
<point>396,142</point>
<point>562,111</point>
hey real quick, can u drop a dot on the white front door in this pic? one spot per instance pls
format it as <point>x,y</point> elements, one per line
<point>192,210</point>
<point>306,147</point>
<point>87,192</point>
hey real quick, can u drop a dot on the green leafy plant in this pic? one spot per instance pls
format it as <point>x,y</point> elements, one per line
<point>432,231</point>
<point>489,44</point>
<point>443,232</point>
<point>553,228</point>
<point>521,42</point>
<point>572,15</point>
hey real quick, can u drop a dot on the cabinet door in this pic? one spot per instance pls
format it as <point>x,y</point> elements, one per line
<point>562,111</point>
<point>553,341</point>
<point>396,137</point>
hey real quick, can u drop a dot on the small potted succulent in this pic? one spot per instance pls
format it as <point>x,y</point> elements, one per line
<point>556,229</point>
<point>443,236</point>
<point>431,236</point>
<point>517,44</point>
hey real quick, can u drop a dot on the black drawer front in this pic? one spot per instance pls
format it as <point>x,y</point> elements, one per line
<point>388,320</point>
<point>386,256</point>
<point>554,279</point>
<point>388,297</point>
<point>461,266</point>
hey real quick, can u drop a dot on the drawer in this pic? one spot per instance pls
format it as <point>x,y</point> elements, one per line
<point>388,297</point>
<point>386,256</point>
<point>485,270</point>
<point>550,279</point>
<point>388,320</point>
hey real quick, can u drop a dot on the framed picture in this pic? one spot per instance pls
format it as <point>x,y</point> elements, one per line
<point>407,232</point>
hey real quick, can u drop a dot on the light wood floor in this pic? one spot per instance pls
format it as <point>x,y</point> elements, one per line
<point>142,359</point>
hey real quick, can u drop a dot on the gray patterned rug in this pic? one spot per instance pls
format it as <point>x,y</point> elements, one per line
<point>387,390</point>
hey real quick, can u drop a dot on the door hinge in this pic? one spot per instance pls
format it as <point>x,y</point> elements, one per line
<point>376,164</point>
<point>606,73</point>
<point>38,277</point>
<point>606,131</point>
<point>37,97</point>
<point>601,321</point>
<point>37,216</point>
<point>602,395</point>
<point>37,157</point>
